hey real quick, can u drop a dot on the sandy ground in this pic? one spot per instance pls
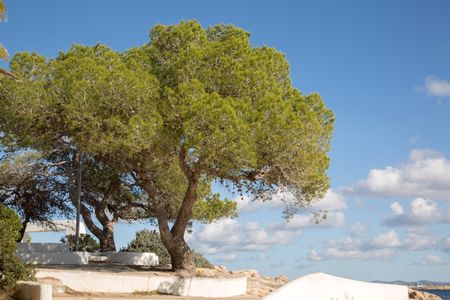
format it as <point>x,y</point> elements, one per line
<point>152,297</point>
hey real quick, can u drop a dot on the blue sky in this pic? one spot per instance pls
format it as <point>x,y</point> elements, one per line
<point>382,66</point>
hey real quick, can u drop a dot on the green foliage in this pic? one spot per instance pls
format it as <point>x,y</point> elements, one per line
<point>229,105</point>
<point>150,241</point>
<point>2,10</point>
<point>201,262</point>
<point>11,268</point>
<point>26,185</point>
<point>192,107</point>
<point>3,52</point>
<point>212,208</point>
<point>85,243</point>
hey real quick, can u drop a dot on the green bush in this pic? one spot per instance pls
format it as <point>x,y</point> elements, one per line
<point>150,241</point>
<point>11,268</point>
<point>85,243</point>
<point>201,261</point>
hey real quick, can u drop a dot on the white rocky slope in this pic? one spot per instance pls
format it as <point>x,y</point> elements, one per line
<point>320,286</point>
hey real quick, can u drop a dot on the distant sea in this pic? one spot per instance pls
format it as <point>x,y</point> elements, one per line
<point>444,294</point>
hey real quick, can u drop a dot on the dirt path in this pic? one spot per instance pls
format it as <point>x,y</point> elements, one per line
<point>150,297</point>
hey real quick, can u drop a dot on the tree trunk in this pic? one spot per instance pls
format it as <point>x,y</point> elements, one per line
<point>180,253</point>
<point>173,238</point>
<point>107,242</point>
<point>22,230</point>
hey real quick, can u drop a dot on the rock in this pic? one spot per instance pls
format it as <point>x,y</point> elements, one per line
<point>221,269</point>
<point>421,295</point>
<point>281,278</point>
<point>246,273</point>
<point>203,272</point>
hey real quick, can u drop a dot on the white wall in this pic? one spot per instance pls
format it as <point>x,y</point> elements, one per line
<point>109,282</point>
<point>49,254</point>
<point>133,258</point>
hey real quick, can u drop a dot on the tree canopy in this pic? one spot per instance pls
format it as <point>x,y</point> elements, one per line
<point>191,107</point>
<point>29,185</point>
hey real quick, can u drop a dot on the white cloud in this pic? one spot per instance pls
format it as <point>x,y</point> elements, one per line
<point>422,211</point>
<point>426,174</point>
<point>302,221</point>
<point>420,239</point>
<point>446,245</point>
<point>354,248</point>
<point>229,235</point>
<point>358,229</point>
<point>226,257</point>
<point>432,259</point>
<point>437,87</point>
<point>247,204</point>
<point>314,256</point>
<point>332,201</point>
<point>386,240</point>
<point>358,254</point>
<point>381,246</point>
<point>396,208</point>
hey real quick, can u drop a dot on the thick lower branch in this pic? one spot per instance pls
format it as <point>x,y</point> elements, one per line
<point>87,218</point>
<point>185,212</point>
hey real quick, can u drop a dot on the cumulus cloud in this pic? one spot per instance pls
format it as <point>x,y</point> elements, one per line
<point>358,254</point>
<point>383,245</point>
<point>397,209</point>
<point>246,204</point>
<point>421,212</point>
<point>386,240</point>
<point>352,248</point>
<point>446,245</point>
<point>432,259</point>
<point>228,235</point>
<point>420,239</point>
<point>302,221</point>
<point>332,201</point>
<point>426,174</point>
<point>226,257</point>
<point>314,256</point>
<point>437,87</point>
<point>358,229</point>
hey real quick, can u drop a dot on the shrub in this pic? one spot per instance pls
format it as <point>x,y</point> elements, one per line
<point>150,241</point>
<point>11,268</point>
<point>85,243</point>
<point>201,261</point>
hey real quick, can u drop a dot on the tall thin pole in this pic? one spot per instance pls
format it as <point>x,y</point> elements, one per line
<point>77,230</point>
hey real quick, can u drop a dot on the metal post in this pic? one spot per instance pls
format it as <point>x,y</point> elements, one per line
<point>77,230</point>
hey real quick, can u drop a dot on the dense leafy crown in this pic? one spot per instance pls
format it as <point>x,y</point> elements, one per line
<point>11,268</point>
<point>207,93</point>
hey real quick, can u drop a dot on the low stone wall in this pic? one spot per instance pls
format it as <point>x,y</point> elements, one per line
<point>133,258</point>
<point>54,258</point>
<point>49,254</point>
<point>29,290</point>
<point>42,247</point>
<point>130,282</point>
<point>206,287</point>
